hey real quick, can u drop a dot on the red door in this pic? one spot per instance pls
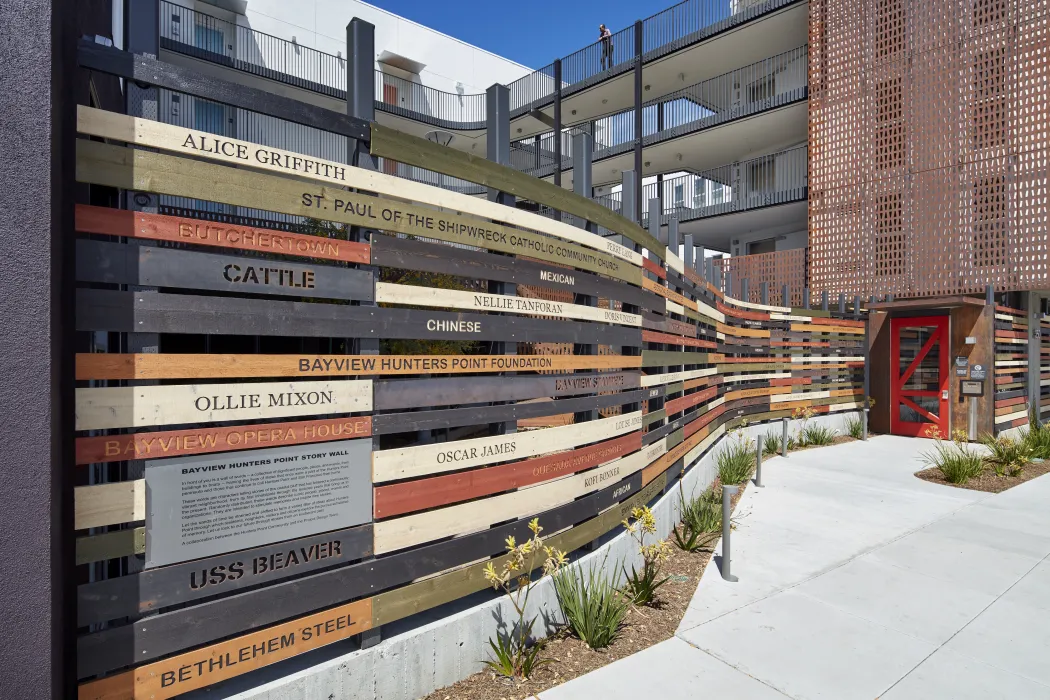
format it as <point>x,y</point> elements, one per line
<point>919,394</point>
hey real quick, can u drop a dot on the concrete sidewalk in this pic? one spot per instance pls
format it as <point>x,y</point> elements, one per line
<point>858,580</point>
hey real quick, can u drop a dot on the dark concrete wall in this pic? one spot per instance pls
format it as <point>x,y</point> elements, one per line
<point>35,406</point>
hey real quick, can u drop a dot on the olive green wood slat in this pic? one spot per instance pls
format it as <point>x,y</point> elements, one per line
<point>412,150</point>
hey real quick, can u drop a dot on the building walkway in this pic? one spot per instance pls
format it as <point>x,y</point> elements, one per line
<point>860,581</point>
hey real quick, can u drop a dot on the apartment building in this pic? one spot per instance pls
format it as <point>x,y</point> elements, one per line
<point>722,93</point>
<point>817,143</point>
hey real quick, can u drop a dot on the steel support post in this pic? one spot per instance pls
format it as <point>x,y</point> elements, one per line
<point>637,119</point>
<point>727,528</point>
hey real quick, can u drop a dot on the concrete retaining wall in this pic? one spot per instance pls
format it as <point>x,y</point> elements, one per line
<point>414,661</point>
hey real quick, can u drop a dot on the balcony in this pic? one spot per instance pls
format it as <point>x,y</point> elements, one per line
<point>761,87</point>
<point>237,46</point>
<point>766,181</point>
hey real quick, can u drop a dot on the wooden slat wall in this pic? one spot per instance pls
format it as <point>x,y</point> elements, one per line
<point>1009,379</point>
<point>446,492</point>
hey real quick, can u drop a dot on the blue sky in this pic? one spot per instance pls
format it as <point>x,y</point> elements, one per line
<point>534,32</point>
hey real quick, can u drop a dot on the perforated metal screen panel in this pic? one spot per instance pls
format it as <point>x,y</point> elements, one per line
<point>928,135</point>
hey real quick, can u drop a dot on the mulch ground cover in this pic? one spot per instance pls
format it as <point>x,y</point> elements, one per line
<point>988,481</point>
<point>644,627</point>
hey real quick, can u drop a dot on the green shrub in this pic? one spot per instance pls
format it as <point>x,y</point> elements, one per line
<point>641,586</point>
<point>771,443</point>
<point>956,462</point>
<point>1037,439</point>
<point>817,435</point>
<point>1008,456</point>
<point>593,607</point>
<point>855,427</point>
<point>736,461</point>
<point>701,521</point>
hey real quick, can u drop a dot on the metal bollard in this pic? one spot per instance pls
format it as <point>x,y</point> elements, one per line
<point>758,463</point>
<point>864,424</point>
<point>727,512</point>
<point>784,440</point>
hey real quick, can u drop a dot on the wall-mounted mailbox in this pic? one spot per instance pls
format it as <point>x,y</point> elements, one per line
<point>971,387</point>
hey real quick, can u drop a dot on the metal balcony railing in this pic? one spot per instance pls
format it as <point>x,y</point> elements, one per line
<point>764,85</point>
<point>211,39</point>
<point>208,38</point>
<point>777,178</point>
<point>444,109</point>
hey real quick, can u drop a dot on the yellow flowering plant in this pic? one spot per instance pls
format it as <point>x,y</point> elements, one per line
<point>514,654</point>
<point>641,586</point>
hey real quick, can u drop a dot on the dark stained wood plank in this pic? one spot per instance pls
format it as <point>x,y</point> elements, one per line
<point>153,589</point>
<point>386,423</point>
<point>409,393</point>
<point>155,312</point>
<point>113,263</point>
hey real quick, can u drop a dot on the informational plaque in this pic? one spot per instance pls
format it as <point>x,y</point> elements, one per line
<point>206,505</point>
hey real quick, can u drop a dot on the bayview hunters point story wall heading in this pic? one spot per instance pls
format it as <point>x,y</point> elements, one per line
<point>333,431</point>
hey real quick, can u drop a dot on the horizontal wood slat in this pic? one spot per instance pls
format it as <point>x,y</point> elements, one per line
<point>216,366</point>
<point>175,229</point>
<point>398,533</point>
<point>412,150</point>
<point>130,168</point>
<point>475,301</point>
<point>113,263</point>
<point>109,504</point>
<point>422,460</point>
<point>231,151</point>
<point>155,312</point>
<point>174,443</point>
<point>128,407</point>
<point>409,496</point>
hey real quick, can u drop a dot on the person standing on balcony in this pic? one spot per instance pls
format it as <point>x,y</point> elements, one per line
<point>605,36</point>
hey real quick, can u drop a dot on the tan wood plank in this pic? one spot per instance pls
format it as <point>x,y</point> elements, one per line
<point>421,460</point>
<point>109,504</point>
<point>476,301</point>
<point>130,168</point>
<point>223,149</point>
<point>463,518</point>
<point>126,407</point>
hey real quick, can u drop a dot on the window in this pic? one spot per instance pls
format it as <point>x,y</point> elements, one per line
<point>679,194</point>
<point>988,124</point>
<point>989,221</point>
<point>758,247</point>
<point>889,235</point>
<point>210,38</point>
<point>889,124</point>
<point>699,193</point>
<point>761,175</point>
<point>718,193</point>
<point>762,89</point>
